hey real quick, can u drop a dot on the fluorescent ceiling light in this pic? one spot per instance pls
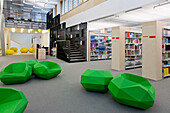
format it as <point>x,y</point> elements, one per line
<point>41,1</point>
<point>26,10</point>
<point>52,2</point>
<point>18,4</point>
<point>37,7</point>
<point>27,3</point>
<point>47,2</point>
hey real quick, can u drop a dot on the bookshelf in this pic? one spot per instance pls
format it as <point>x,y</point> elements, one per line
<point>100,46</point>
<point>133,49</point>
<point>126,48</point>
<point>166,52</point>
<point>154,47</point>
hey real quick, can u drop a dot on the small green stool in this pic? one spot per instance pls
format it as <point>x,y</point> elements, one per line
<point>96,80</point>
<point>12,101</point>
<point>46,69</point>
<point>132,90</point>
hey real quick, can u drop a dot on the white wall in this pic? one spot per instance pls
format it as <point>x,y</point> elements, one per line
<point>21,40</point>
<point>107,8</point>
<point>45,41</point>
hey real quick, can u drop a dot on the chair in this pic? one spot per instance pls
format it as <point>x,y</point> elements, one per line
<point>96,80</point>
<point>15,73</point>
<point>12,101</point>
<point>46,69</point>
<point>132,90</point>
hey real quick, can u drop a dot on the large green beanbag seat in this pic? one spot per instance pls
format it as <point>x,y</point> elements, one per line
<point>96,80</point>
<point>46,69</point>
<point>30,62</point>
<point>15,73</point>
<point>132,90</point>
<point>12,101</point>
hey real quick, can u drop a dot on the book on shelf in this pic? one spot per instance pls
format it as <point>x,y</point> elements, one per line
<point>166,32</point>
<point>133,35</point>
<point>137,41</point>
<point>165,72</point>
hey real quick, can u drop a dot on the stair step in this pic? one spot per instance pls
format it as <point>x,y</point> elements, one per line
<point>74,51</point>
<point>77,52</point>
<point>77,57</point>
<point>73,55</point>
<point>77,60</point>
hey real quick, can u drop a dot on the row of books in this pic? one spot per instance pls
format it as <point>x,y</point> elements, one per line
<point>133,35</point>
<point>165,56</point>
<point>165,40</point>
<point>133,41</point>
<point>93,49</point>
<point>99,53</point>
<point>100,41</point>
<point>165,47</point>
<point>100,37</point>
<point>166,32</point>
<point>99,57</point>
<point>165,72</point>
<point>133,46</point>
<point>93,45</point>
<point>133,52</point>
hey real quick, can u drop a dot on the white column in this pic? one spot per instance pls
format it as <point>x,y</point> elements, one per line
<point>2,29</point>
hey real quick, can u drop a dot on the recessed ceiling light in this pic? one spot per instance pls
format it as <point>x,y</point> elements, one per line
<point>22,30</point>
<point>37,7</point>
<point>13,29</point>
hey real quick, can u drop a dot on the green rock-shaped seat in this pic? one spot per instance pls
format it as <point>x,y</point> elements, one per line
<point>12,101</point>
<point>30,62</point>
<point>132,90</point>
<point>46,69</point>
<point>96,80</point>
<point>15,73</point>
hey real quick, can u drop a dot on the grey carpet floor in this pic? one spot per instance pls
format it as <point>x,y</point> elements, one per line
<point>64,94</point>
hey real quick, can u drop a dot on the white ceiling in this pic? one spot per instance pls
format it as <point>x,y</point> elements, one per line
<point>146,13</point>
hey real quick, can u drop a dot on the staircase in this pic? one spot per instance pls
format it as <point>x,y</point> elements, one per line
<point>75,54</point>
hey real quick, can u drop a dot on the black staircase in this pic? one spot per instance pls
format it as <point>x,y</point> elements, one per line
<point>75,54</point>
<point>69,52</point>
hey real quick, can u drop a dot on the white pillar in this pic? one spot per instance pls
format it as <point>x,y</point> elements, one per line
<point>2,29</point>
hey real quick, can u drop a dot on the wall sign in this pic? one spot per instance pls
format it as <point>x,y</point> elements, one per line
<point>117,37</point>
<point>152,36</point>
<point>145,36</point>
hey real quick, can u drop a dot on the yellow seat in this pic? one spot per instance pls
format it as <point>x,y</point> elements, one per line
<point>9,52</point>
<point>14,49</point>
<point>31,50</point>
<point>23,50</point>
